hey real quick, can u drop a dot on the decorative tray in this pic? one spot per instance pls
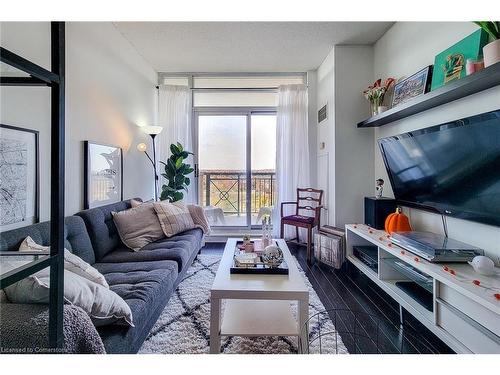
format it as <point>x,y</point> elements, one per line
<point>252,264</point>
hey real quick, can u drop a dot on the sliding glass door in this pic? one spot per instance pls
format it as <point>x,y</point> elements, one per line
<point>222,161</point>
<point>263,165</point>
<point>236,156</point>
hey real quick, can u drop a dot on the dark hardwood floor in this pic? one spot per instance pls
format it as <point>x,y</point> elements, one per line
<point>348,289</point>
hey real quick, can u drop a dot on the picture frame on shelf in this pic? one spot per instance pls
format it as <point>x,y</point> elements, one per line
<point>413,86</point>
<point>19,177</point>
<point>450,64</point>
<point>103,174</point>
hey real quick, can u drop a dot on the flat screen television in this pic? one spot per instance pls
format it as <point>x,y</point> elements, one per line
<point>451,169</point>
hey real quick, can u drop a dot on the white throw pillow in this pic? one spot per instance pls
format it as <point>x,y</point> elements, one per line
<point>72,262</point>
<point>102,305</point>
<point>30,245</point>
<point>7,265</point>
<point>77,265</point>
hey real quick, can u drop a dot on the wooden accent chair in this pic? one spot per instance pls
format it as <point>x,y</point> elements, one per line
<point>313,204</point>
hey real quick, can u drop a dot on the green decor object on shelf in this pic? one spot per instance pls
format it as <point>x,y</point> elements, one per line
<point>176,172</point>
<point>449,65</point>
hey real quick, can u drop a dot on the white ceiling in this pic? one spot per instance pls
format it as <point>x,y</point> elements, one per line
<point>244,46</point>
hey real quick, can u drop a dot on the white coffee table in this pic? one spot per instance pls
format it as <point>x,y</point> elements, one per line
<point>256,305</point>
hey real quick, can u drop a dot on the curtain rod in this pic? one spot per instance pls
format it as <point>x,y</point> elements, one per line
<point>233,88</point>
<point>232,74</point>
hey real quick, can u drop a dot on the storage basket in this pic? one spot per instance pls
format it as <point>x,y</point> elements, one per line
<point>329,246</point>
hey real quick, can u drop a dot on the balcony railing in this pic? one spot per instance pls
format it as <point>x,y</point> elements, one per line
<point>227,190</point>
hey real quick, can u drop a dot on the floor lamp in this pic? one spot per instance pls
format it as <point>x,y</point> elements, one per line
<point>153,131</point>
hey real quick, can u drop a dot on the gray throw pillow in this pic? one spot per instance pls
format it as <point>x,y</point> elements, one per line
<point>138,226</point>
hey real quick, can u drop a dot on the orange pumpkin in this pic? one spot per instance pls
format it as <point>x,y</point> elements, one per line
<point>397,222</point>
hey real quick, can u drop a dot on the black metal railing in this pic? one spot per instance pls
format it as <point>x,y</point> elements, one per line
<point>227,190</point>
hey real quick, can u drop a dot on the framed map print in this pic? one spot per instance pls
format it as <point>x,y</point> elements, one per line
<point>103,179</point>
<point>19,177</point>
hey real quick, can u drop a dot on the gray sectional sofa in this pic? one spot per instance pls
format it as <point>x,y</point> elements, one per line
<point>144,279</point>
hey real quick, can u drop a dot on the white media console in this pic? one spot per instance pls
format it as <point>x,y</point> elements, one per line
<point>461,307</point>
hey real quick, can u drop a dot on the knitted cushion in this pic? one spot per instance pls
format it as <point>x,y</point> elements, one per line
<point>199,217</point>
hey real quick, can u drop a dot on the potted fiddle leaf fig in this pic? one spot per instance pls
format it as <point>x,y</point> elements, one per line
<point>491,51</point>
<point>176,172</point>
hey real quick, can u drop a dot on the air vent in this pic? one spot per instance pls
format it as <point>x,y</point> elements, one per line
<point>322,114</point>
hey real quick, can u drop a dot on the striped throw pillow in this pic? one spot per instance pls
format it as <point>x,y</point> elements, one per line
<point>174,217</point>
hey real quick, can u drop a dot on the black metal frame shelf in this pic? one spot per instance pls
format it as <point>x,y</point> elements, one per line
<point>55,79</point>
<point>34,70</point>
<point>21,81</point>
<point>477,82</point>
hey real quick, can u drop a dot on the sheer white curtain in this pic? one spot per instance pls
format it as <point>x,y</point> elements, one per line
<point>174,116</point>
<point>292,149</point>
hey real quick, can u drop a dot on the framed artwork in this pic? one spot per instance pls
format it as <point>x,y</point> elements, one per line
<point>415,85</point>
<point>103,174</point>
<point>449,65</point>
<point>19,177</point>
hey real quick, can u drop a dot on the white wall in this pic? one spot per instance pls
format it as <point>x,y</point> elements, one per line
<point>312,124</point>
<point>354,147</point>
<point>325,135</point>
<point>109,92</point>
<point>403,50</point>
<point>29,107</point>
<point>348,152</point>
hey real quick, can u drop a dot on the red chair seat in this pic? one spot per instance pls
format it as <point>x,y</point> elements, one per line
<point>308,199</point>
<point>299,219</point>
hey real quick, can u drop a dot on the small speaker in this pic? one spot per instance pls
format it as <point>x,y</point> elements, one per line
<point>377,210</point>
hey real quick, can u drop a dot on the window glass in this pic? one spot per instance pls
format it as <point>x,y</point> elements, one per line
<point>235,99</point>
<point>178,81</point>
<point>246,82</point>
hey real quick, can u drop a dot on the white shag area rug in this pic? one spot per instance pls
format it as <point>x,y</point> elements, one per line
<point>184,325</point>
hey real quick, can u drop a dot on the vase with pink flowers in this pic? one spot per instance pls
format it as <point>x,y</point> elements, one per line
<point>375,95</point>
